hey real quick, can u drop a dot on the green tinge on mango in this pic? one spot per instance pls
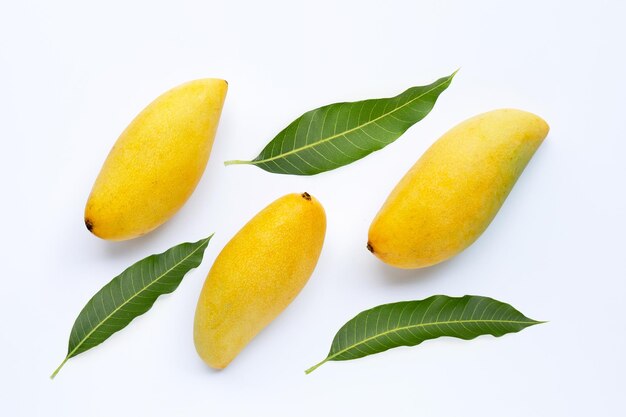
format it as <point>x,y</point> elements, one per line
<point>157,161</point>
<point>257,275</point>
<point>449,197</point>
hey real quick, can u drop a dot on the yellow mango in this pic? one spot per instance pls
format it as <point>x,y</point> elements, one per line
<point>449,197</point>
<point>257,274</point>
<point>157,161</point>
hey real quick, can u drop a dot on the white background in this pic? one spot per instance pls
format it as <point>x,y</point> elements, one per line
<point>73,75</point>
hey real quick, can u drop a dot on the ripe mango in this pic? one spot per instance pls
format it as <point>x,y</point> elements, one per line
<point>449,197</point>
<point>157,161</point>
<point>257,274</point>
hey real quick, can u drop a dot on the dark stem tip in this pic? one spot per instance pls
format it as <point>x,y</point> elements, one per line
<point>306,196</point>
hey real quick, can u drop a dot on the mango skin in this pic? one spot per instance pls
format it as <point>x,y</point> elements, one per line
<point>449,197</point>
<point>157,161</point>
<point>257,274</point>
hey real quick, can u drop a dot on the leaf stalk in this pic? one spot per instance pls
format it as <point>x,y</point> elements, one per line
<point>314,367</point>
<point>56,371</point>
<point>237,162</point>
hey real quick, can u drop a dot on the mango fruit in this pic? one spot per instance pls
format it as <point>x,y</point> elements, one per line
<point>449,197</point>
<point>257,274</point>
<point>157,161</point>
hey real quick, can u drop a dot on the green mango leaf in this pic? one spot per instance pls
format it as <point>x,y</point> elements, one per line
<point>131,294</point>
<point>335,135</point>
<point>409,323</point>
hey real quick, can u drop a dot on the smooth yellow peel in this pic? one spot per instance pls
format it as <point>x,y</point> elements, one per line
<point>257,274</point>
<point>449,197</point>
<point>157,161</point>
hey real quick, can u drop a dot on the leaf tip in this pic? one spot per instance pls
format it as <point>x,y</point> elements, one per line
<point>454,73</point>
<point>203,241</point>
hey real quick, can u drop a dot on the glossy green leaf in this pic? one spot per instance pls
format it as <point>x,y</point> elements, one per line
<point>409,323</point>
<point>335,135</point>
<point>131,294</point>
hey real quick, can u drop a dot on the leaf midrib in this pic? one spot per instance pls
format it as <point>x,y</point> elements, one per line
<point>398,329</point>
<point>84,339</point>
<point>285,154</point>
